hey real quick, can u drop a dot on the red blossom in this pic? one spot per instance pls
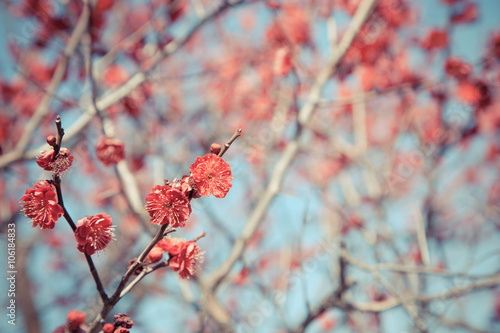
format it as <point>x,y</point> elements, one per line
<point>457,68</point>
<point>110,151</point>
<point>60,165</point>
<point>40,205</point>
<point>495,45</point>
<point>474,92</point>
<point>296,23</point>
<point>103,5</point>
<point>467,15</point>
<point>435,39</point>
<point>75,319</point>
<point>108,328</point>
<point>282,61</point>
<point>184,256</point>
<point>170,245</point>
<point>93,233</point>
<point>186,186</point>
<point>115,75</point>
<point>168,205</point>
<point>212,175</point>
<point>215,148</point>
<point>155,255</point>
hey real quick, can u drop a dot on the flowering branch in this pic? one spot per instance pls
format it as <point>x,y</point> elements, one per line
<point>57,185</point>
<point>122,289</point>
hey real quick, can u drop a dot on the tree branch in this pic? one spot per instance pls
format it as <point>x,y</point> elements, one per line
<point>291,149</point>
<point>42,109</point>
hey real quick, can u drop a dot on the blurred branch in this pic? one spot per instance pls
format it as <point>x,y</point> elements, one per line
<point>211,283</point>
<point>42,109</point>
<point>127,180</point>
<point>117,94</point>
<point>486,283</point>
<point>421,237</point>
<point>334,300</point>
<point>383,281</point>
<point>24,285</point>
<point>291,148</point>
<point>131,39</point>
<point>459,324</point>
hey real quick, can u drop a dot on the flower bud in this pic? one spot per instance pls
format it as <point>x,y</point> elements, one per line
<point>215,148</point>
<point>155,254</point>
<point>108,328</point>
<point>51,140</point>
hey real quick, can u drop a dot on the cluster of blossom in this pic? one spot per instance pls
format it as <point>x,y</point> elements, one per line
<point>184,256</point>
<point>40,203</point>
<point>93,233</point>
<point>170,204</point>
<point>167,204</point>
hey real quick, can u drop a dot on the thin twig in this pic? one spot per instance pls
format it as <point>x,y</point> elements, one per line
<point>147,270</point>
<point>334,300</point>
<point>236,135</point>
<point>60,134</point>
<point>117,295</point>
<point>201,235</point>
<point>97,279</point>
<point>422,238</point>
<point>382,280</point>
<point>60,201</point>
<point>57,185</point>
<point>486,283</point>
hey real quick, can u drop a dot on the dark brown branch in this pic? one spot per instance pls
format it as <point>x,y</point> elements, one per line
<point>118,294</point>
<point>95,275</point>
<point>148,270</point>
<point>60,201</point>
<point>334,300</point>
<point>60,134</point>
<point>57,184</point>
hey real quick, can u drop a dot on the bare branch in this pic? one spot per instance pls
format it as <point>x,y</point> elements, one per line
<point>236,135</point>
<point>382,280</point>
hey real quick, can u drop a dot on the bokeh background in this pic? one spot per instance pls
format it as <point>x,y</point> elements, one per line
<point>371,164</point>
